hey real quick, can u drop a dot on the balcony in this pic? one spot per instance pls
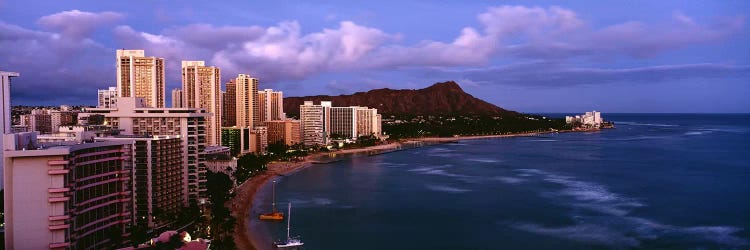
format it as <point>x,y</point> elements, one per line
<point>58,199</point>
<point>59,217</point>
<point>58,171</point>
<point>58,190</point>
<point>59,227</point>
<point>59,245</point>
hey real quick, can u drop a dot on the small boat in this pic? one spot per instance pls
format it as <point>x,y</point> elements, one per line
<point>273,215</point>
<point>291,242</point>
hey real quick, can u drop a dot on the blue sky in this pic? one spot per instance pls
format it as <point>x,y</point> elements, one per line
<point>530,56</point>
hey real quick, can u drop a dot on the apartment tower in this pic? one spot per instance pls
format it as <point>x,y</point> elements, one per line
<point>230,105</point>
<point>270,105</point>
<point>140,76</point>
<point>201,88</point>
<point>247,104</point>
<point>177,99</point>
<point>107,97</point>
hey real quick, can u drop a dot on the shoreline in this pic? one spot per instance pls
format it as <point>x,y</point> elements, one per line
<point>246,192</point>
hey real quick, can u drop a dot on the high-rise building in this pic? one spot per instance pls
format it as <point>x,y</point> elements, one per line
<point>237,139</point>
<point>157,178</point>
<point>230,105</point>
<point>4,111</point>
<point>39,120</point>
<point>140,76</point>
<point>247,103</point>
<point>177,99</point>
<point>343,124</point>
<point>131,117</point>
<point>66,197</point>
<point>270,105</point>
<point>201,88</point>
<point>367,122</point>
<point>314,121</point>
<point>107,97</point>
<point>259,140</point>
<point>288,132</point>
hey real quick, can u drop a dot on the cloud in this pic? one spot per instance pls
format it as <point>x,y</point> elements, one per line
<point>76,24</point>
<point>560,75</point>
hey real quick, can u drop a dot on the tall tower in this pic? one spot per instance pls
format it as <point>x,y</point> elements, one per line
<point>5,116</point>
<point>201,88</point>
<point>177,98</point>
<point>230,104</point>
<point>247,104</point>
<point>140,76</point>
<point>270,105</point>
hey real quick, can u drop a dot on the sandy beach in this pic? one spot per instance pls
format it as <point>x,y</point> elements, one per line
<point>245,193</point>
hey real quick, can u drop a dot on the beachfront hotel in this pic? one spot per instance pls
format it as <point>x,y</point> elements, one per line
<point>66,197</point>
<point>106,97</point>
<point>131,117</point>
<point>157,178</point>
<point>229,103</point>
<point>246,101</point>
<point>201,88</point>
<point>270,105</point>
<point>313,122</point>
<point>140,76</point>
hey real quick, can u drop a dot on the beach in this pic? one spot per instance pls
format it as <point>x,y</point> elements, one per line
<point>245,193</point>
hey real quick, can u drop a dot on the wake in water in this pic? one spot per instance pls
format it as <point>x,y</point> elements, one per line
<point>602,217</point>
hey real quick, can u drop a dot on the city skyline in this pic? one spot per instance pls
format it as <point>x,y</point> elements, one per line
<point>643,57</point>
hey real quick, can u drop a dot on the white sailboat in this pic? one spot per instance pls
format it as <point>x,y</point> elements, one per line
<point>291,242</point>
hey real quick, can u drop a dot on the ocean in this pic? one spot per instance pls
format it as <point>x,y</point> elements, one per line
<point>666,181</point>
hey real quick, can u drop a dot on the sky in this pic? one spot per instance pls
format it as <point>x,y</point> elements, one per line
<point>530,56</point>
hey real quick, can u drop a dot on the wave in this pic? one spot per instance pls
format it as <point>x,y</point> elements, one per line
<point>447,189</point>
<point>697,132</point>
<point>588,233</point>
<point>483,160</point>
<point>509,180</point>
<point>647,124</point>
<point>544,140</point>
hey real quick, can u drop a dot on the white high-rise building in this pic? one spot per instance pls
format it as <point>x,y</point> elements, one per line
<point>270,105</point>
<point>312,123</point>
<point>107,97</point>
<point>140,76</point>
<point>201,88</point>
<point>247,103</point>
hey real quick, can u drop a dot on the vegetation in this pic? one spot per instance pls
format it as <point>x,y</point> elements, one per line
<point>399,127</point>
<point>221,222</point>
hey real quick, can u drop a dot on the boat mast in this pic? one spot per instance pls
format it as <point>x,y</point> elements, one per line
<point>273,199</point>
<point>288,221</point>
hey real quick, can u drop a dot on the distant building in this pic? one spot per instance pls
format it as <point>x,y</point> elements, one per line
<point>39,120</point>
<point>591,119</point>
<point>220,163</point>
<point>177,99</point>
<point>237,139</point>
<point>270,105</point>
<point>201,88</point>
<point>140,76</point>
<point>368,122</point>
<point>66,197</point>
<point>288,132</point>
<point>230,105</point>
<point>131,117</point>
<point>343,123</point>
<point>107,97</point>
<point>259,140</point>
<point>62,118</point>
<point>246,101</point>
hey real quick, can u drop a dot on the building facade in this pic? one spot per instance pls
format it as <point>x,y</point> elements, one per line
<point>229,118</point>
<point>5,115</point>
<point>288,132</point>
<point>368,122</point>
<point>177,99</point>
<point>201,88</point>
<point>39,120</point>
<point>140,76</point>
<point>107,97</point>
<point>270,105</point>
<point>247,103</point>
<point>314,120</point>
<point>131,117</point>
<point>343,124</point>
<point>237,139</point>
<point>66,197</point>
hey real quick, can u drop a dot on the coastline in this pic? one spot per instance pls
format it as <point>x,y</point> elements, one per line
<point>246,192</point>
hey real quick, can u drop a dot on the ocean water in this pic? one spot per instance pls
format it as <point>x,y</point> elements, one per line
<point>656,181</point>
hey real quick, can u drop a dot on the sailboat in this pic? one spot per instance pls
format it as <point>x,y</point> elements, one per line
<point>273,215</point>
<point>291,242</point>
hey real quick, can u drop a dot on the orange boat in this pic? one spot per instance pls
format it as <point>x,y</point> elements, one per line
<point>273,215</point>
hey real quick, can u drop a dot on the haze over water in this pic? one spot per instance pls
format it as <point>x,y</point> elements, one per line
<point>656,181</point>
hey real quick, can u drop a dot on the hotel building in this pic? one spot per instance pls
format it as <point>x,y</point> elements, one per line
<point>177,98</point>
<point>229,101</point>
<point>107,97</point>
<point>368,122</point>
<point>201,88</point>
<point>288,132</point>
<point>140,76</point>
<point>66,197</point>
<point>133,118</point>
<point>247,104</point>
<point>270,105</point>
<point>343,124</point>
<point>237,139</point>
<point>314,121</point>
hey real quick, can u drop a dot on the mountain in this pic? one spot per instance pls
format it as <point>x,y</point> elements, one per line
<point>445,98</point>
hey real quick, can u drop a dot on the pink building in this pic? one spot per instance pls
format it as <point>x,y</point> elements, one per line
<point>66,197</point>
